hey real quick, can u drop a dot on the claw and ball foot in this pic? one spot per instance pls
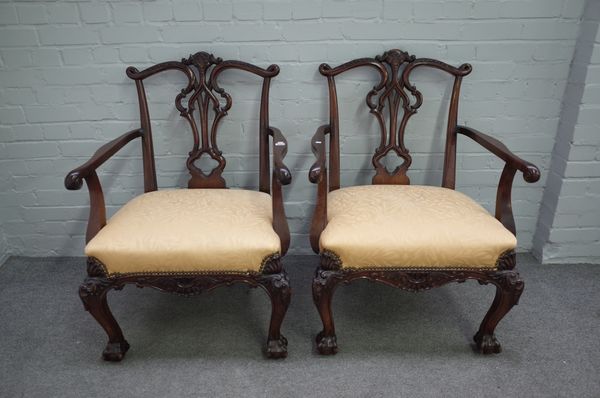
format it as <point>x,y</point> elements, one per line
<point>326,345</point>
<point>509,287</point>
<point>93,295</point>
<point>277,286</point>
<point>115,352</point>
<point>323,287</point>
<point>277,348</point>
<point>487,344</point>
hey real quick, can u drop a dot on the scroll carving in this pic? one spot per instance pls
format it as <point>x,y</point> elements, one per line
<point>273,280</point>
<point>203,104</point>
<point>180,283</point>
<point>508,260</point>
<point>271,264</point>
<point>393,101</point>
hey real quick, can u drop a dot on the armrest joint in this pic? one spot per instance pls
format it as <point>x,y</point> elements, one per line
<point>316,171</point>
<point>280,170</point>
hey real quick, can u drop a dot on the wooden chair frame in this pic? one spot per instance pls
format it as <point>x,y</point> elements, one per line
<point>203,94</point>
<point>394,90</point>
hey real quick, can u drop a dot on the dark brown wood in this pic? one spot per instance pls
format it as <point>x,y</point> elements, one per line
<point>330,274</point>
<point>279,151</point>
<point>93,295</point>
<point>513,163</point>
<point>318,169</point>
<point>318,175</point>
<point>280,224</point>
<point>273,279</point>
<point>97,218</point>
<point>203,103</point>
<point>87,171</point>
<point>530,172</point>
<point>74,180</point>
<point>201,98</point>
<point>394,91</point>
<point>202,71</point>
<point>449,173</point>
<point>281,176</point>
<point>147,144</point>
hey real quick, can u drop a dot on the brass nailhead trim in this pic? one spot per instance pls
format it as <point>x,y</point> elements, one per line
<point>116,275</point>
<point>412,269</point>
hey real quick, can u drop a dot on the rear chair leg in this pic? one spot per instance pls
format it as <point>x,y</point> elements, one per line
<point>93,295</point>
<point>509,287</point>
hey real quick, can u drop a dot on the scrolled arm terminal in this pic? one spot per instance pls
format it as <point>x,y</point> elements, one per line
<point>318,149</point>
<point>282,172</point>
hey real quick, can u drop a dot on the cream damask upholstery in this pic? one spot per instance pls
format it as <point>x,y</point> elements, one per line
<point>411,226</point>
<point>187,230</point>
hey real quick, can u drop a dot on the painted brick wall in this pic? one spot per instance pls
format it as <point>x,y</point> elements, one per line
<point>569,224</point>
<point>63,92</point>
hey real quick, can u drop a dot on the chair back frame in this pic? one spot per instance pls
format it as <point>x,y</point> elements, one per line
<point>203,104</point>
<point>394,91</point>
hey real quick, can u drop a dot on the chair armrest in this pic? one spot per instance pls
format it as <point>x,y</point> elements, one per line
<point>74,180</point>
<point>318,149</point>
<point>282,173</point>
<point>530,172</point>
<point>318,175</point>
<point>281,176</point>
<point>513,163</point>
<point>87,172</point>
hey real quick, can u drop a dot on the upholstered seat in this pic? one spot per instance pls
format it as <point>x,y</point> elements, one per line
<point>188,230</point>
<point>408,226</point>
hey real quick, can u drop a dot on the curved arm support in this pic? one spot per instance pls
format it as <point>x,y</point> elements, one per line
<point>280,170</point>
<point>318,149</point>
<point>97,218</point>
<point>530,172</point>
<point>504,212</point>
<point>318,174</point>
<point>513,163</point>
<point>281,176</point>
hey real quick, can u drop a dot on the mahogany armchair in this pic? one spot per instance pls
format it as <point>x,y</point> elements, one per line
<point>409,236</point>
<point>189,241</point>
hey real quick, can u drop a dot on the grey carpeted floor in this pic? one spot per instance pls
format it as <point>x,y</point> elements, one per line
<point>392,343</point>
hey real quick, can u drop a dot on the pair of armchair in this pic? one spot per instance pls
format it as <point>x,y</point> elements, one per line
<point>192,241</point>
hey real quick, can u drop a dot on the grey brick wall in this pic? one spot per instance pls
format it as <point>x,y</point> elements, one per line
<point>569,223</point>
<point>63,92</point>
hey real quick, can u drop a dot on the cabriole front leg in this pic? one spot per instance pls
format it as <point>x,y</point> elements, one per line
<point>278,288</point>
<point>323,288</point>
<point>93,295</point>
<point>509,287</point>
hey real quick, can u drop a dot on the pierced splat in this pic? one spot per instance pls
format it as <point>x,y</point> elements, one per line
<point>394,96</point>
<point>202,100</point>
<point>203,103</point>
<point>393,101</point>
